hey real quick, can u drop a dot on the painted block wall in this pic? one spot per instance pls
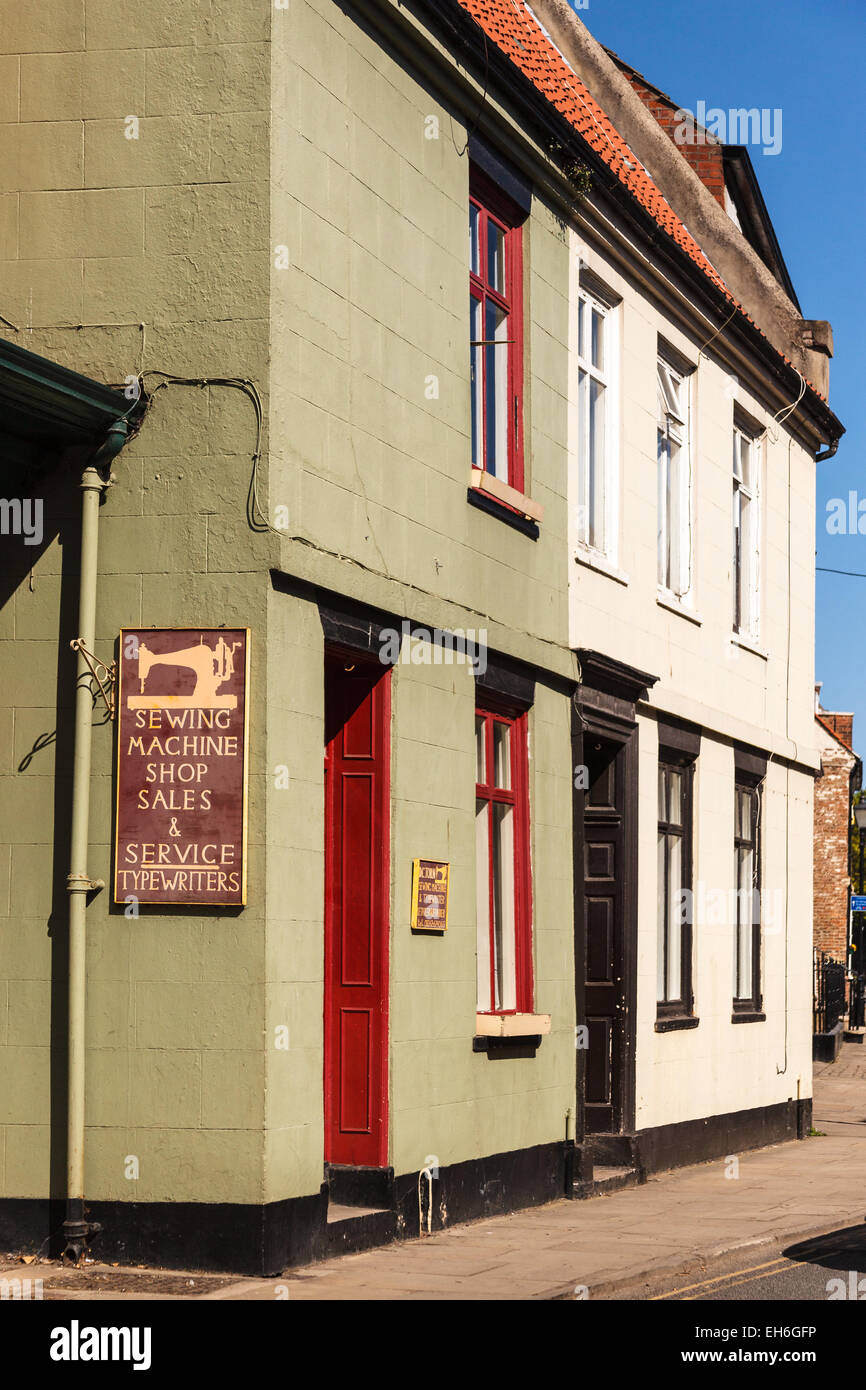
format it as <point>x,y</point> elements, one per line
<point>703,675</point>
<point>369,475</point>
<point>720,1067</point>
<point>369,323</point>
<point>763,697</point>
<point>160,247</point>
<point>444,1099</point>
<point>120,255</point>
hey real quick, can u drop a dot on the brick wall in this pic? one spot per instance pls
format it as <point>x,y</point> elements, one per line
<point>832,813</point>
<point>705,159</point>
<point>841,724</point>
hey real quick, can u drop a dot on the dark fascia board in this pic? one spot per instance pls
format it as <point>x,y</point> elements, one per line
<point>742,183</point>
<point>612,677</point>
<point>678,736</point>
<point>750,763</point>
<point>454,25</point>
<point>44,403</point>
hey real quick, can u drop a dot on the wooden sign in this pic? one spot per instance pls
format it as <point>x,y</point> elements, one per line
<point>429,895</point>
<point>181,829</point>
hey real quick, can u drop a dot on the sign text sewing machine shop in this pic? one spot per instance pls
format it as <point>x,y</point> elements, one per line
<point>182,766</point>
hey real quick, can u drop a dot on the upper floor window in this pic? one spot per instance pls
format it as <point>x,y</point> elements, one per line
<point>496,331</point>
<point>596,480</point>
<point>747,938</point>
<point>594,355</point>
<point>674,502</point>
<point>503,894</point>
<point>746,532</point>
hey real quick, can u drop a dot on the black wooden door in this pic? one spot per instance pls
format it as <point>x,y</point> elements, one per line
<point>604,995</point>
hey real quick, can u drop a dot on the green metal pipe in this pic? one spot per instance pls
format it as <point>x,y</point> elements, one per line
<point>75,1227</point>
<point>78,882</point>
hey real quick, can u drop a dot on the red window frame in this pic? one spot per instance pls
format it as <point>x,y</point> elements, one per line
<point>518,797</point>
<point>493,205</point>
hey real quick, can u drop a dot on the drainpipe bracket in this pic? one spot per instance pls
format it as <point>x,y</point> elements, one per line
<point>83,883</point>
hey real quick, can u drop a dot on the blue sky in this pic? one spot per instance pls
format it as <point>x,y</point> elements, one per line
<point>806,59</point>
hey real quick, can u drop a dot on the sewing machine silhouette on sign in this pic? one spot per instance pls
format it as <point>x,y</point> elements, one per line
<point>213,667</point>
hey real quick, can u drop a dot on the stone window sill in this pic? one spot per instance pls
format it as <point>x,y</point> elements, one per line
<point>594,560</point>
<point>511,1025</point>
<point>675,605</point>
<point>748,644</point>
<point>502,492</point>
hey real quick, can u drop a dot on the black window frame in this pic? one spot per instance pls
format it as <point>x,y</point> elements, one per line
<point>750,782</point>
<point>671,1013</point>
<point>749,773</point>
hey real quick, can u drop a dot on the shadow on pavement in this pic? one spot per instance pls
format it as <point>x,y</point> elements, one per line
<point>840,1249</point>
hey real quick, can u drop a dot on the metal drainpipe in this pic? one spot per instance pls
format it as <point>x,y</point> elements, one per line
<point>76,1228</point>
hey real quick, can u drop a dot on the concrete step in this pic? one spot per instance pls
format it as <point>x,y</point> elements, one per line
<point>606,1180</point>
<point>338,1212</point>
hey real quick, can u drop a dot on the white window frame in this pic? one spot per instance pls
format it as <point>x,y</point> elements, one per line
<point>672,425</point>
<point>750,489</point>
<point>607,378</point>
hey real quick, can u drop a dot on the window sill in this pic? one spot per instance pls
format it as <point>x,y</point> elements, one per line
<point>749,1018</point>
<point>511,1025</point>
<point>667,600</point>
<point>748,644</point>
<point>676,1025</point>
<point>594,560</point>
<point>509,496</point>
<point>477,497</point>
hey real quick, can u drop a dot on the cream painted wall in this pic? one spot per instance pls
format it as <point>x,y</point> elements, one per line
<point>761,697</point>
<point>720,1066</point>
<point>703,674</point>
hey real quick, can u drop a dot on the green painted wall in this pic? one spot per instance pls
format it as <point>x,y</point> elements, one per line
<point>258,130</point>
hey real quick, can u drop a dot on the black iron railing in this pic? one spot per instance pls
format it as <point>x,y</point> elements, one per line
<point>857,1002</point>
<point>828,992</point>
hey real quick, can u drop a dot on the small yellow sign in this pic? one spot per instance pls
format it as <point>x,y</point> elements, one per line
<point>429,895</point>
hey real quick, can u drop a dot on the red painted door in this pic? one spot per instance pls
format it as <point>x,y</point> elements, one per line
<point>357,797</point>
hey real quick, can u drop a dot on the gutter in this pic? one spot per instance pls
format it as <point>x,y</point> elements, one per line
<point>827,453</point>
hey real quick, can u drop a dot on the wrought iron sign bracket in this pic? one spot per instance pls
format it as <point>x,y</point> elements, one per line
<point>106,681</point>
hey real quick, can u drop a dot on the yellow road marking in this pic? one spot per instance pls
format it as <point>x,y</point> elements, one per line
<point>796,1264</point>
<point>719,1278</point>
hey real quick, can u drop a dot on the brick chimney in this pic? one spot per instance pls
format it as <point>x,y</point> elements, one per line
<point>705,158</point>
<point>841,724</point>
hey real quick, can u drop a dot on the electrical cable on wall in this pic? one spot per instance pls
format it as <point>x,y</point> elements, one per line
<point>255,516</point>
<point>782,415</point>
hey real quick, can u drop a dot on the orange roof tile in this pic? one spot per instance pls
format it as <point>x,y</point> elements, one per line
<point>518,34</point>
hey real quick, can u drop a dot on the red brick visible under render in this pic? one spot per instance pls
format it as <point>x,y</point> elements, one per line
<point>832,829</point>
